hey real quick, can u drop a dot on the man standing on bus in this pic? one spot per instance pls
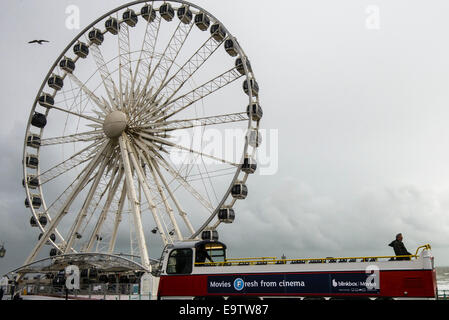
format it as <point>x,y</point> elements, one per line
<point>399,248</point>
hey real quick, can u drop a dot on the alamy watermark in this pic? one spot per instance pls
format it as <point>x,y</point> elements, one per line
<point>212,146</point>
<point>373,279</point>
<point>72,21</point>
<point>372,19</point>
<point>72,274</point>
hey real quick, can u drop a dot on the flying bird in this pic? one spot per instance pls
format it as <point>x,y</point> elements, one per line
<point>38,41</point>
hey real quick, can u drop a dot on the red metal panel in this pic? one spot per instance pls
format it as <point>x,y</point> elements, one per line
<point>412,283</point>
<point>183,285</point>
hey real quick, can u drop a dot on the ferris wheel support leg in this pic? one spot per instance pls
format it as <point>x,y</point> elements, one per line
<point>83,212</point>
<point>146,190</point>
<point>132,196</point>
<point>164,199</point>
<point>117,220</point>
<point>105,210</point>
<point>61,213</point>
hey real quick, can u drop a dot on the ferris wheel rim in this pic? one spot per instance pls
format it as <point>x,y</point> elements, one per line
<point>54,66</point>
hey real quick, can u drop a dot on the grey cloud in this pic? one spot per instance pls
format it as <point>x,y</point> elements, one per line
<point>296,220</point>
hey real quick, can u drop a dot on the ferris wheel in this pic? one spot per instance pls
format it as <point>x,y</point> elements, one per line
<point>143,133</point>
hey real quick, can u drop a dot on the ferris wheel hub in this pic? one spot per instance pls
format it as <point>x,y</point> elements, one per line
<point>114,124</point>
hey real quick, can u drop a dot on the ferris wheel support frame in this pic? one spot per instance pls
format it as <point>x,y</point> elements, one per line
<point>130,155</point>
<point>132,196</point>
<point>106,208</point>
<point>54,223</point>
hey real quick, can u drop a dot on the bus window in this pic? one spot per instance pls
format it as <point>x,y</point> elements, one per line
<point>180,262</point>
<point>216,252</point>
<point>210,252</point>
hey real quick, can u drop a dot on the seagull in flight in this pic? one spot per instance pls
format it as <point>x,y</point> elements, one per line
<point>38,41</point>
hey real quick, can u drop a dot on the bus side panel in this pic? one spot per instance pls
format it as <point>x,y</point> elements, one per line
<point>183,285</point>
<point>393,283</point>
<point>408,283</point>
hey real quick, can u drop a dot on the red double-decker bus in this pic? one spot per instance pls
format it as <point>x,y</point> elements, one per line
<point>201,270</point>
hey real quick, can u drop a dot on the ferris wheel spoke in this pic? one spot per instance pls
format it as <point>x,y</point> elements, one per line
<point>165,63</point>
<point>145,186</point>
<point>70,106</point>
<point>98,197</point>
<point>144,105</point>
<point>211,174</point>
<point>134,201</point>
<point>104,187</point>
<point>206,204</point>
<point>177,81</point>
<point>60,200</point>
<point>177,105</point>
<point>94,191</point>
<point>74,161</point>
<point>144,64</point>
<point>103,107</point>
<point>106,229</point>
<point>209,220</point>
<point>198,122</point>
<point>89,212</point>
<point>125,68</point>
<point>171,144</point>
<point>67,202</point>
<point>117,219</point>
<point>108,83</point>
<point>164,198</point>
<point>208,179</point>
<point>79,115</point>
<point>111,193</point>
<point>181,212</point>
<point>144,146</point>
<point>78,137</point>
<point>115,161</point>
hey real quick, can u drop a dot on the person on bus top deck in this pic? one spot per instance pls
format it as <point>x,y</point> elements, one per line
<point>399,248</point>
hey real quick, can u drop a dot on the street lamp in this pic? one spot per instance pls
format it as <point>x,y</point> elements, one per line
<point>2,251</point>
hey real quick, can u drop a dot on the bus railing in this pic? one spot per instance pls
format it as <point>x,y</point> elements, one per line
<point>275,260</point>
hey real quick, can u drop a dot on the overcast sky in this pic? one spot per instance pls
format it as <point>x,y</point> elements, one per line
<point>358,91</point>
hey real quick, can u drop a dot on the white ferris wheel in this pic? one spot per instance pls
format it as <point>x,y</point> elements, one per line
<point>118,146</point>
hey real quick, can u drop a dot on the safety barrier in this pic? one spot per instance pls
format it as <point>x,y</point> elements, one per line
<point>98,291</point>
<point>274,260</point>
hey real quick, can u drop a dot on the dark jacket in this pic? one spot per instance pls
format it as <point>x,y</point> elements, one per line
<point>400,250</point>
